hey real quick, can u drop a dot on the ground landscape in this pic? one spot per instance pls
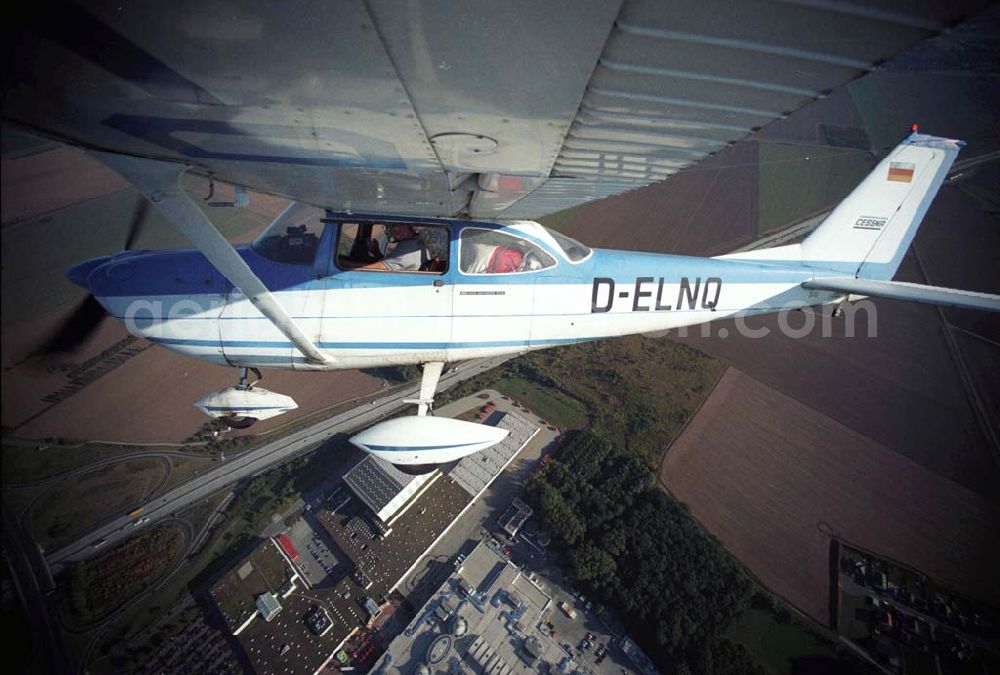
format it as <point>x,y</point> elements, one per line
<point>815,479</point>
<point>919,398</point>
<point>775,505</point>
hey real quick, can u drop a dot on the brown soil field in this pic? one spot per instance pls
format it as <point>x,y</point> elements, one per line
<point>150,398</point>
<point>710,208</point>
<point>53,179</point>
<point>903,389</point>
<point>911,389</point>
<point>774,479</point>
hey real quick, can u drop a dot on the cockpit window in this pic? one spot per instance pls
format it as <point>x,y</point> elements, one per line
<point>573,249</point>
<point>293,237</point>
<point>392,247</point>
<point>492,252</point>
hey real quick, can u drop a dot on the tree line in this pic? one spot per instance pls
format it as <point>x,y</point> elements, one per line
<point>630,547</point>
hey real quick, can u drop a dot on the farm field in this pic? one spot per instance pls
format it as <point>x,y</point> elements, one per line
<point>910,388</point>
<point>774,479</point>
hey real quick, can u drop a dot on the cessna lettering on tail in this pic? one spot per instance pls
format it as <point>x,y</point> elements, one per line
<point>648,294</point>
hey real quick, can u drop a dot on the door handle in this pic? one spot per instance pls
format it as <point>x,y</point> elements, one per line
<point>438,283</point>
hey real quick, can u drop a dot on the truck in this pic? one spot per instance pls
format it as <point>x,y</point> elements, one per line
<point>567,609</point>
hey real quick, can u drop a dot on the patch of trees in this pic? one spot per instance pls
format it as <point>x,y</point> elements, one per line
<point>631,547</point>
<point>98,586</point>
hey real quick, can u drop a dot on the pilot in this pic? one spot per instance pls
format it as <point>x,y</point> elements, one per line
<point>405,250</point>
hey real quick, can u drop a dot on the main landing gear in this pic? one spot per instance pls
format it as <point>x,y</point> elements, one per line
<point>240,421</point>
<point>417,443</point>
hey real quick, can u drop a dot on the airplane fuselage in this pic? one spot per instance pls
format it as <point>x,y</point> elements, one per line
<point>364,318</point>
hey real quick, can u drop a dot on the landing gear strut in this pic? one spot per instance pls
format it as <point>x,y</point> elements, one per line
<point>242,421</point>
<point>428,385</point>
<point>242,381</point>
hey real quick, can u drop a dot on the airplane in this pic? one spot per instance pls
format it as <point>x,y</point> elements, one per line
<point>410,240</point>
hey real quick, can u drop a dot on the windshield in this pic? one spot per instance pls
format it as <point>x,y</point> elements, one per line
<point>573,249</point>
<point>293,237</point>
<point>491,252</point>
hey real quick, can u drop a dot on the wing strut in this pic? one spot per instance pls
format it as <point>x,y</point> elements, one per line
<point>159,182</point>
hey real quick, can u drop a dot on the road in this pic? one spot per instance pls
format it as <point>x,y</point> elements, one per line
<point>255,461</point>
<point>34,587</point>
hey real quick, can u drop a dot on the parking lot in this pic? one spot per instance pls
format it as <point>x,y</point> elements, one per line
<point>318,560</point>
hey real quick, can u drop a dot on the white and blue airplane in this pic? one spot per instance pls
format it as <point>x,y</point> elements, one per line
<point>340,294</point>
<point>419,143</point>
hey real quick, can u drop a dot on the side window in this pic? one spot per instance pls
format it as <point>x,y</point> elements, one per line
<point>293,237</point>
<point>492,252</point>
<point>392,247</point>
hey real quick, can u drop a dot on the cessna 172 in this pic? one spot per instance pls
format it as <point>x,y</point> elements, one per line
<point>410,240</point>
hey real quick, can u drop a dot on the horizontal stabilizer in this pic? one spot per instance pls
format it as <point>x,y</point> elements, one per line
<point>900,290</point>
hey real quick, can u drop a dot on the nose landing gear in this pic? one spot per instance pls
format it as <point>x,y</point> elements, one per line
<point>242,405</point>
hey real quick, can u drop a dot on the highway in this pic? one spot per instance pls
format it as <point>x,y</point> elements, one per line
<point>255,461</point>
<point>33,585</point>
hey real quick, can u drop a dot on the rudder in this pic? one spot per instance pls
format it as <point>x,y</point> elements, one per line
<point>868,233</point>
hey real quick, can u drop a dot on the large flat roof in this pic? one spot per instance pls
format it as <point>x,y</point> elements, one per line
<point>236,592</point>
<point>500,622</point>
<point>475,472</point>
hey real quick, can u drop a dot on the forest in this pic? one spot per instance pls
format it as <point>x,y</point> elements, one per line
<point>632,548</point>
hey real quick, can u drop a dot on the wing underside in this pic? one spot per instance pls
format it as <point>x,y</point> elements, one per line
<point>492,110</point>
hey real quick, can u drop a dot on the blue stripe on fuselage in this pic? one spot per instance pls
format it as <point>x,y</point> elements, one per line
<point>188,272</point>
<point>284,344</point>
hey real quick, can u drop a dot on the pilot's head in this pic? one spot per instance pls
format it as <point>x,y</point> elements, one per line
<point>401,232</point>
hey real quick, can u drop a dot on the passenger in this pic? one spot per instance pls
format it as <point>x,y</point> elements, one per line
<point>405,250</point>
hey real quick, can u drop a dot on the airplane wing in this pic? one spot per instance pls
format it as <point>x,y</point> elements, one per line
<point>902,290</point>
<point>508,109</point>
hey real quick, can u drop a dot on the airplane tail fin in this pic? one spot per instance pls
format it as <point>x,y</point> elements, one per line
<point>868,233</point>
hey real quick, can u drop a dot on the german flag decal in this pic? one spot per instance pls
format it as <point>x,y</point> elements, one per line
<point>901,172</point>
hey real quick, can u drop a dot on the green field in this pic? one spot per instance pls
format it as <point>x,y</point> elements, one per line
<point>29,462</point>
<point>87,500</point>
<point>552,405</point>
<point>797,181</point>
<point>559,220</point>
<point>777,644</point>
<point>100,585</point>
<point>634,389</point>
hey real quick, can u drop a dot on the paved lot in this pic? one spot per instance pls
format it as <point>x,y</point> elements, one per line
<point>317,560</point>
